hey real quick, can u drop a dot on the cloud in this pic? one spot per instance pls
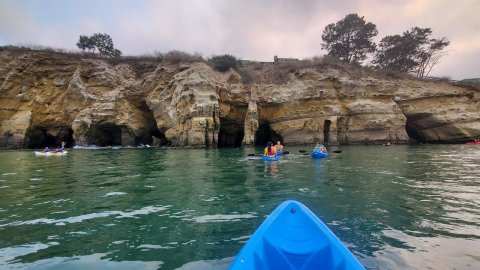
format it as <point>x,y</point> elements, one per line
<point>248,29</point>
<point>14,25</point>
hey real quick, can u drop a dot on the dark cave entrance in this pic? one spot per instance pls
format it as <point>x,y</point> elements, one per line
<point>153,135</point>
<point>412,128</point>
<point>105,135</point>
<point>326,131</point>
<point>156,134</point>
<point>231,133</point>
<point>265,134</point>
<point>39,137</point>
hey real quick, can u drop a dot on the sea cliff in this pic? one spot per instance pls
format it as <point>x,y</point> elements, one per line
<point>48,97</point>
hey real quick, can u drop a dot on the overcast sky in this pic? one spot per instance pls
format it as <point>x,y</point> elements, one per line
<point>255,30</point>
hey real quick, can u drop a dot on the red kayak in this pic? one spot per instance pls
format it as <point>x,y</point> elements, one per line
<point>472,143</point>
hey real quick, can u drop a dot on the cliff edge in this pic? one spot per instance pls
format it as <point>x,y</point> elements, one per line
<point>48,97</point>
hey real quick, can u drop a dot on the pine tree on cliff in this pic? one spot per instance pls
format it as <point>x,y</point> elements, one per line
<point>412,52</point>
<point>101,42</point>
<point>350,39</point>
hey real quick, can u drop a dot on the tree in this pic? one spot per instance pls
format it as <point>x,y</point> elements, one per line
<point>85,43</point>
<point>350,39</point>
<point>101,42</point>
<point>223,62</point>
<point>431,55</point>
<point>412,52</point>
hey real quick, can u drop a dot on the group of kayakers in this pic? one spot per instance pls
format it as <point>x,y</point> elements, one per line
<point>272,150</point>
<point>55,150</point>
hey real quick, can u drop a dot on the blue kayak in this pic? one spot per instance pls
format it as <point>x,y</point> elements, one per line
<point>273,158</point>
<point>292,238</point>
<point>279,152</point>
<point>319,155</point>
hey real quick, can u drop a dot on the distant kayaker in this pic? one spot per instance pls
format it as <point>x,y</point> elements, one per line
<point>46,150</point>
<point>279,146</point>
<point>320,148</point>
<point>270,150</point>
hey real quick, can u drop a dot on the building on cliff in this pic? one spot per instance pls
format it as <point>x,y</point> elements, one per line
<point>277,60</point>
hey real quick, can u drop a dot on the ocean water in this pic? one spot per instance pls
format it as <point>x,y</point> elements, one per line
<point>397,207</point>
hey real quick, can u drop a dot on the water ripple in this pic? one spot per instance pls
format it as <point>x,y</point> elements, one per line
<point>221,218</point>
<point>119,214</point>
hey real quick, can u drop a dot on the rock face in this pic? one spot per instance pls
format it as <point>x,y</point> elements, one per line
<point>46,98</point>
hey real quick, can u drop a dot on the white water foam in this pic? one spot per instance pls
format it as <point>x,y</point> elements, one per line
<point>222,218</point>
<point>149,246</point>
<point>114,194</point>
<point>120,214</point>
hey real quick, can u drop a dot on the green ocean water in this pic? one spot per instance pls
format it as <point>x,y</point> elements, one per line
<point>398,207</point>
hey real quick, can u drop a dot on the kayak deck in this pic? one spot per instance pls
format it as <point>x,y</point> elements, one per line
<point>319,154</point>
<point>292,237</point>
<point>272,158</point>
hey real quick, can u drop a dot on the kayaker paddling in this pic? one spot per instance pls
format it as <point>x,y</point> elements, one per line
<point>270,150</point>
<point>320,148</point>
<point>279,146</point>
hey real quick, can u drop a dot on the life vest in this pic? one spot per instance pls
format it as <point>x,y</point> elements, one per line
<point>272,151</point>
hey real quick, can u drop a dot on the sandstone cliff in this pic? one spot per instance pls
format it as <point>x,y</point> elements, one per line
<point>46,98</point>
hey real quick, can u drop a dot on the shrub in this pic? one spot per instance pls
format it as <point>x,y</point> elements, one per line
<point>224,62</point>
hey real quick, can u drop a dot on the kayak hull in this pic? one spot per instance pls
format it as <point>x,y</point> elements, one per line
<point>48,154</point>
<point>472,143</point>
<point>292,237</point>
<point>317,155</point>
<point>279,152</point>
<point>274,158</point>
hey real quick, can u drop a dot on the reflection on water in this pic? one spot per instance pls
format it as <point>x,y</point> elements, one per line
<point>399,207</point>
<point>270,169</point>
<point>317,169</point>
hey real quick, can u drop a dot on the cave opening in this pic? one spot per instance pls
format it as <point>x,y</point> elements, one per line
<point>152,135</point>
<point>105,135</point>
<point>412,130</point>
<point>326,131</point>
<point>67,137</point>
<point>413,135</point>
<point>158,138</point>
<point>231,133</point>
<point>266,134</point>
<point>40,137</point>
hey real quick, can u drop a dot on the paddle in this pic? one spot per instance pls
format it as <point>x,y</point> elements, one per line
<point>335,151</point>
<point>259,155</point>
<point>255,155</point>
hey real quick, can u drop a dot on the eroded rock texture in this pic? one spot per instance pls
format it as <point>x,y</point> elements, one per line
<point>46,98</point>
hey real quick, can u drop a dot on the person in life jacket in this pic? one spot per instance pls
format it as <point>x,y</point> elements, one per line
<point>320,148</point>
<point>278,146</point>
<point>270,150</point>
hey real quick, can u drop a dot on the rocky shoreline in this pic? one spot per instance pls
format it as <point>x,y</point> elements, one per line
<point>46,98</point>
